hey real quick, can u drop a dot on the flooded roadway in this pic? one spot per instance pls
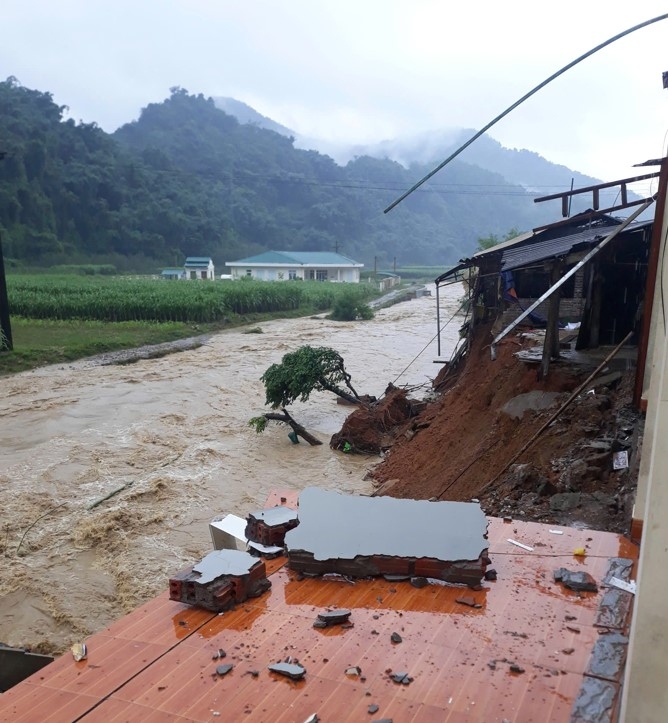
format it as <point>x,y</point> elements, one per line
<point>175,431</point>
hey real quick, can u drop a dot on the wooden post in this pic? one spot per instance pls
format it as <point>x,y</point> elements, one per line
<point>6,342</point>
<point>551,344</point>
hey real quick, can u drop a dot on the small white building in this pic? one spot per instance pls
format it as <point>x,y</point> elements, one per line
<point>292,265</point>
<point>199,267</point>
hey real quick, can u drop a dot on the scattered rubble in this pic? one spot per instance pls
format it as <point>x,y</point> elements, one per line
<point>566,477</point>
<point>396,638</point>
<point>294,671</point>
<point>401,678</point>
<point>332,617</point>
<point>224,669</point>
<point>580,581</point>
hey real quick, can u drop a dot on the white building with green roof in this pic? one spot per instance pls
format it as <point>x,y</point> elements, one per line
<point>292,265</point>
<point>199,267</point>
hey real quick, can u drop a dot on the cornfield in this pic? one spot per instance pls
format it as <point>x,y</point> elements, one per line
<point>126,299</point>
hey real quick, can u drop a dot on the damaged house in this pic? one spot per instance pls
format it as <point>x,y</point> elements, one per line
<point>588,272</point>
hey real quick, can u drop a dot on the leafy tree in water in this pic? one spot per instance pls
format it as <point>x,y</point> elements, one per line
<point>350,309</point>
<point>301,372</point>
<point>487,242</point>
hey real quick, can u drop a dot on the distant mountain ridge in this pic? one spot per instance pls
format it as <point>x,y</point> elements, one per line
<point>188,179</point>
<point>521,166</point>
<point>245,114</point>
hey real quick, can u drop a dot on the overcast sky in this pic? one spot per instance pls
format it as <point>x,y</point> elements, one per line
<point>363,70</point>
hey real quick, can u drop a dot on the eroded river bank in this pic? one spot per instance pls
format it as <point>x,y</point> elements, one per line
<point>174,430</point>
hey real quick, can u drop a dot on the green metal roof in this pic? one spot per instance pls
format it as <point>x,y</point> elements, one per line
<point>299,258</point>
<point>197,261</point>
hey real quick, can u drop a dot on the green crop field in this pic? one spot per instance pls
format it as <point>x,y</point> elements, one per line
<point>130,299</point>
<point>62,318</point>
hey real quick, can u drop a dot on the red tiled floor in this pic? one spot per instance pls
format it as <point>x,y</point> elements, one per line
<point>156,664</point>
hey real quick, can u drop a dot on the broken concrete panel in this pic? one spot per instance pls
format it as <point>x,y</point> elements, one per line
<point>331,617</point>
<point>608,656</point>
<point>613,610</point>
<point>289,670</point>
<point>368,536</point>
<point>595,701</point>
<point>530,401</point>
<point>619,567</point>
<point>224,562</point>
<point>220,580</point>
<point>269,526</point>
<point>580,581</point>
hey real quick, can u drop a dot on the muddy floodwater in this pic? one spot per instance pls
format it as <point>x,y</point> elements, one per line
<point>175,432</point>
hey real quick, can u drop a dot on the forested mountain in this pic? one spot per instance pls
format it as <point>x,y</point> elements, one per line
<point>186,178</point>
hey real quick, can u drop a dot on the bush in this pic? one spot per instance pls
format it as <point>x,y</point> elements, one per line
<point>350,309</point>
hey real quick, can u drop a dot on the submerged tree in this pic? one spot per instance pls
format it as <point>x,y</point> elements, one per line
<point>301,372</point>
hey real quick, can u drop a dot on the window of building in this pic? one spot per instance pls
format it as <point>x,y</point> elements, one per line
<point>204,274</point>
<point>321,275</point>
<point>292,274</point>
<point>193,274</point>
<point>249,272</point>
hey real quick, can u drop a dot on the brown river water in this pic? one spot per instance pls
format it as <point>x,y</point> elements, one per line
<point>174,430</point>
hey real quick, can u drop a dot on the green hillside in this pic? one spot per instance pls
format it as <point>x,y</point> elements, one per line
<point>188,179</point>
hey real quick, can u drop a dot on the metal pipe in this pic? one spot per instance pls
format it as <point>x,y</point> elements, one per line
<point>438,321</point>
<point>571,272</point>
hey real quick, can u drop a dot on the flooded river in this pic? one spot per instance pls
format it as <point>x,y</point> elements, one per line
<point>175,431</point>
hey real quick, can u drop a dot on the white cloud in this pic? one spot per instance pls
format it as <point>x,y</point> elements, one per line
<point>362,71</point>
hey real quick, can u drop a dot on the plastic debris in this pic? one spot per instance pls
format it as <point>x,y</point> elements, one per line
<point>579,552</point>
<point>623,585</point>
<point>520,544</point>
<point>620,460</point>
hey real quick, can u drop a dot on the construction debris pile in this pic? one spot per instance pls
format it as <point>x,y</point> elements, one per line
<point>579,472</point>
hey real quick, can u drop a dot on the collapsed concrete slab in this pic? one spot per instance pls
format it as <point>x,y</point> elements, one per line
<point>220,580</point>
<point>269,526</point>
<point>368,536</point>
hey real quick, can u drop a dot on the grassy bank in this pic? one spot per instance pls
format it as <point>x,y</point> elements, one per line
<point>66,318</point>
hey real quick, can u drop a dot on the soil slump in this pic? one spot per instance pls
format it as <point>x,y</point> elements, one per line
<point>174,432</point>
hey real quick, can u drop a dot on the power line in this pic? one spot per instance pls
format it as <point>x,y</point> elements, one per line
<point>511,108</point>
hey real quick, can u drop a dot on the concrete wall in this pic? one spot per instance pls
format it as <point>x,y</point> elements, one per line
<point>645,693</point>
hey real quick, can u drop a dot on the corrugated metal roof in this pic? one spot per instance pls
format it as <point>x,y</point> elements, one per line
<point>156,663</point>
<point>525,254</point>
<point>297,258</point>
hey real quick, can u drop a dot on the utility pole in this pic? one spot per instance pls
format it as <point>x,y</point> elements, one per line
<point>6,342</point>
